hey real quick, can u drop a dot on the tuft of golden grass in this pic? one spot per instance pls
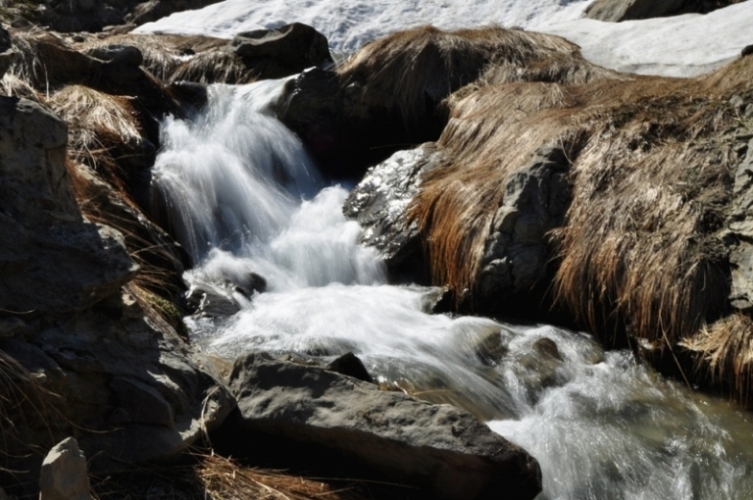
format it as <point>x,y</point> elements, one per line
<point>724,352</point>
<point>650,162</point>
<point>213,477</point>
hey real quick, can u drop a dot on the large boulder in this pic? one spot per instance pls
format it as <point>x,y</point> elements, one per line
<point>42,227</point>
<point>287,50</point>
<point>444,451</point>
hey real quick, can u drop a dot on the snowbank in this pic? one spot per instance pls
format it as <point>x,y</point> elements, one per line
<point>678,46</point>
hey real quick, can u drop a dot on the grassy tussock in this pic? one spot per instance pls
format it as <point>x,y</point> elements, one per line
<point>650,165</point>
<point>412,69</point>
<point>724,350</point>
<point>98,123</point>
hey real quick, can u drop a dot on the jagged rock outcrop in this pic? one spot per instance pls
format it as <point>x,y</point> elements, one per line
<point>81,347</point>
<point>626,10</point>
<point>42,228</point>
<point>443,450</point>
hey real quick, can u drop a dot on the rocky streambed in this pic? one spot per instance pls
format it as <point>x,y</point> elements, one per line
<point>338,241</point>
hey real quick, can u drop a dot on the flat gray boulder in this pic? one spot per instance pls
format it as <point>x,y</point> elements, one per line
<point>440,449</point>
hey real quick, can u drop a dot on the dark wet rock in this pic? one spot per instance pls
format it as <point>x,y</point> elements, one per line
<point>345,129</point>
<point>625,10</point>
<point>443,450</point>
<point>191,93</point>
<point>287,50</point>
<point>349,364</point>
<point>379,203</point>
<point>516,252</point>
<point>122,54</point>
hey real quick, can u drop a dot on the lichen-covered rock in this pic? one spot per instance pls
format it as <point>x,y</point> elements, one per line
<point>443,450</point>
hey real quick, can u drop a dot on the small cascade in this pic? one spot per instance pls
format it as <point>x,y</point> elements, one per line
<point>247,203</point>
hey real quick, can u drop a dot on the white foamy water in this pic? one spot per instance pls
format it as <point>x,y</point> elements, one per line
<point>246,201</point>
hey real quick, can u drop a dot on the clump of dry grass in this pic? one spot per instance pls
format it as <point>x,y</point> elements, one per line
<point>724,351</point>
<point>650,162</point>
<point>213,477</point>
<point>25,402</point>
<point>413,69</point>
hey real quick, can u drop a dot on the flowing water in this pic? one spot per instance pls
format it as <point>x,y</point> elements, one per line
<point>246,201</point>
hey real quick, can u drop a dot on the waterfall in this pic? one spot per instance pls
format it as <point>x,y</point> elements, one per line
<point>246,202</point>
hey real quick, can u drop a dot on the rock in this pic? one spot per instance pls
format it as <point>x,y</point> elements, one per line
<point>740,224</point>
<point>379,203</point>
<point>349,364</point>
<point>192,93</point>
<point>40,216</point>
<point>64,474</point>
<point>443,450</point>
<point>747,50</point>
<point>624,10</point>
<point>284,51</point>
<point>152,10</point>
<point>122,54</point>
<point>516,254</point>
<point>142,403</point>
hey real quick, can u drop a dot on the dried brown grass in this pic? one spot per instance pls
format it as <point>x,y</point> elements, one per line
<point>724,352</point>
<point>24,399</point>
<point>99,124</point>
<point>213,477</point>
<point>650,165</point>
<point>411,69</point>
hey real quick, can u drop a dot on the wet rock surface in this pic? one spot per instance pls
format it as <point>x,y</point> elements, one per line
<point>380,205</point>
<point>443,450</point>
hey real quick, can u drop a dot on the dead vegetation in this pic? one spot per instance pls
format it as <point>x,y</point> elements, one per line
<point>413,69</point>
<point>642,250</point>
<point>212,477</point>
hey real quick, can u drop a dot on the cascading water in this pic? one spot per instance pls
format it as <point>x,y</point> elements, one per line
<point>245,200</point>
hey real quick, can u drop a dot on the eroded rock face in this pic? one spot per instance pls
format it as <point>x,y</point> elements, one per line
<point>741,228</point>
<point>516,251</point>
<point>85,356</point>
<point>442,449</point>
<point>52,261</point>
